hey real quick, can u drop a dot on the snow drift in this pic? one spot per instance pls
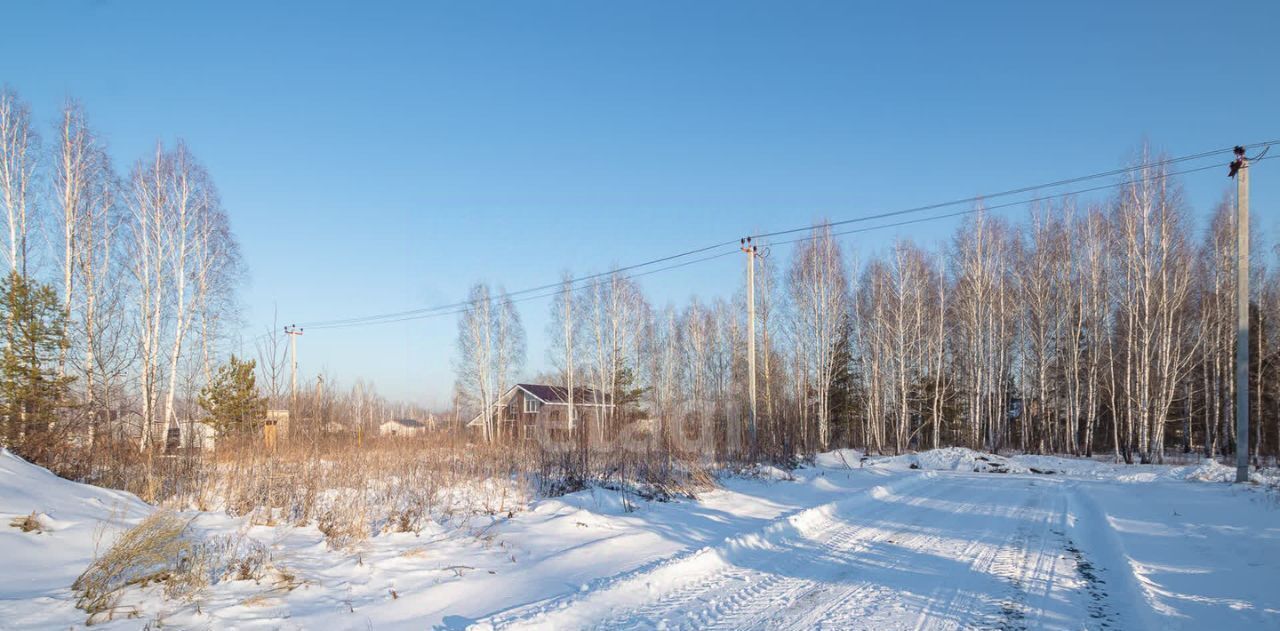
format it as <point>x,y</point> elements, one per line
<point>73,520</point>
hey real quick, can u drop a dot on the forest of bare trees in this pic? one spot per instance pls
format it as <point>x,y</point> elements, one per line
<point>1100,328</point>
<point>145,268</point>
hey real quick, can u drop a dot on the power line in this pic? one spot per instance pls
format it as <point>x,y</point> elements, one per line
<point>464,306</point>
<point>985,208</point>
<point>560,290</point>
<point>411,312</point>
<point>1026,189</point>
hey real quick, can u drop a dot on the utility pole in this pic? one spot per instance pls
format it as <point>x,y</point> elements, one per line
<point>293,332</point>
<point>1240,171</point>
<point>750,249</point>
<point>320,413</point>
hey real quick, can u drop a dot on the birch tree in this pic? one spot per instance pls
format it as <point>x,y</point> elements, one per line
<point>1042,281</point>
<point>1155,280</point>
<point>19,144</point>
<point>508,343</point>
<point>474,362</point>
<point>72,171</point>
<point>150,199</point>
<point>565,331</point>
<point>1090,319</point>
<point>1216,276</point>
<point>980,265</point>
<point>819,295</point>
<point>85,189</point>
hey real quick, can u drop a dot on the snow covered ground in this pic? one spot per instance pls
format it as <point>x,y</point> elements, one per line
<point>921,541</point>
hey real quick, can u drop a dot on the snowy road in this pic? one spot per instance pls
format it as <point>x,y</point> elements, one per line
<point>931,551</point>
<point>919,551</point>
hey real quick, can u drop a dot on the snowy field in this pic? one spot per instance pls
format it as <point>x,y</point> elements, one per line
<point>947,539</point>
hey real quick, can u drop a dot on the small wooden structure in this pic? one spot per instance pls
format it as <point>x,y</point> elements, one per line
<point>275,427</point>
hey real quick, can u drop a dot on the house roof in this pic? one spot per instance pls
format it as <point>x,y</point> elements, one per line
<point>559,394</point>
<point>549,394</point>
<point>406,422</point>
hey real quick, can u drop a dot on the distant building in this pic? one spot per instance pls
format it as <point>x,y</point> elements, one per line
<point>528,407</point>
<point>402,427</point>
<point>189,434</point>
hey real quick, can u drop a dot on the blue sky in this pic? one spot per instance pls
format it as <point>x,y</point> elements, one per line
<point>384,156</point>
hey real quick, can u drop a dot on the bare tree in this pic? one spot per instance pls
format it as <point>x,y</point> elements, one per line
<point>85,188</point>
<point>1042,284</point>
<point>980,268</point>
<point>697,332</point>
<point>474,361</point>
<point>19,145</point>
<point>767,320</point>
<point>819,295</point>
<point>149,202</point>
<point>508,343</point>
<point>665,371</point>
<point>1154,284</point>
<point>272,349</point>
<point>565,331</point>
<point>1090,319</point>
<point>197,250</point>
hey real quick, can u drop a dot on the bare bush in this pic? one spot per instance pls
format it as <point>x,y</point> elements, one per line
<point>154,551</point>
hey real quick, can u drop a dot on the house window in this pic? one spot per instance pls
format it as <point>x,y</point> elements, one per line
<point>531,405</point>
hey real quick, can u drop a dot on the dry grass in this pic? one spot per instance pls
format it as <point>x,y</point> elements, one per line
<point>154,551</point>
<point>352,489</point>
<point>27,523</point>
<point>162,551</point>
<point>349,490</point>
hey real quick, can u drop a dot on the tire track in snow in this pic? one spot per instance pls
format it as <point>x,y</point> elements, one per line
<point>1002,561</point>
<point>772,592</point>
<point>833,604</point>
<point>925,552</point>
<point>690,577</point>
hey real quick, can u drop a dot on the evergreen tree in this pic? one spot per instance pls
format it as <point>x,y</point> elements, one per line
<point>844,408</point>
<point>31,390</point>
<point>626,394</point>
<point>232,398</point>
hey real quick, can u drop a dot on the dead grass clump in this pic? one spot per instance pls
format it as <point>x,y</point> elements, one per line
<point>416,552</point>
<point>343,525</point>
<point>235,558</point>
<point>409,518</point>
<point>27,523</point>
<point>153,552</point>
<point>239,558</point>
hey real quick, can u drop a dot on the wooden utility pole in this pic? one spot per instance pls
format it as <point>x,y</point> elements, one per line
<point>321,416</point>
<point>750,249</point>
<point>1240,170</point>
<point>293,332</point>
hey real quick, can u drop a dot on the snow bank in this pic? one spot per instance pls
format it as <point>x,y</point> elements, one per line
<point>960,459</point>
<point>40,565</point>
<point>949,459</point>
<point>840,459</point>
<point>767,472</point>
